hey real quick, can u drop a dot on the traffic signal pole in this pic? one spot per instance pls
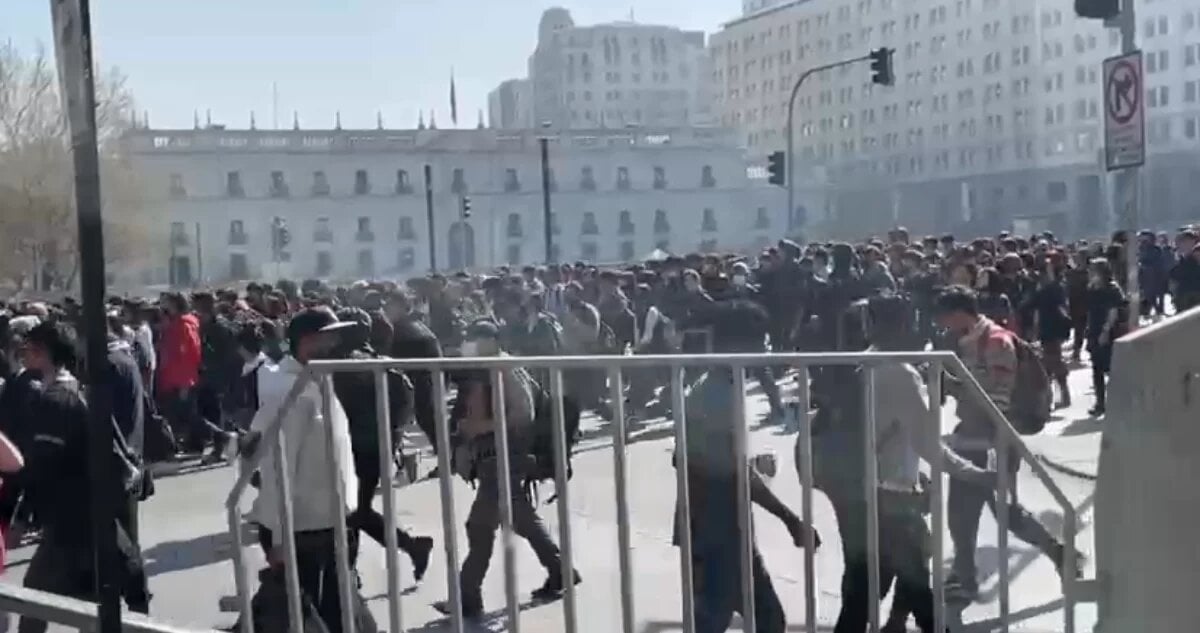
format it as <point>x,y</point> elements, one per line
<point>1128,187</point>
<point>789,160</point>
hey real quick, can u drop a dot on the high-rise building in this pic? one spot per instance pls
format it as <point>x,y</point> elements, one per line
<point>510,105</point>
<point>616,75</point>
<point>995,121</point>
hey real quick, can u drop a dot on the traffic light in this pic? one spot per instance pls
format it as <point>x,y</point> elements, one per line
<point>776,168</point>
<point>466,207</point>
<point>1098,9</point>
<point>881,67</point>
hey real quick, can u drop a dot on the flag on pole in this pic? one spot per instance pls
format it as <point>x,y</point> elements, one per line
<point>453,101</point>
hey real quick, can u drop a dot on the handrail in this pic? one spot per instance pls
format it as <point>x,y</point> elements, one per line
<point>1006,437</point>
<point>75,613</point>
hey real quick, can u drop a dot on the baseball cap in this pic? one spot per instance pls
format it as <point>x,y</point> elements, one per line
<point>315,321</point>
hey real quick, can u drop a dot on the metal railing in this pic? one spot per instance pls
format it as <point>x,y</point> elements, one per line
<point>73,613</point>
<point>318,375</point>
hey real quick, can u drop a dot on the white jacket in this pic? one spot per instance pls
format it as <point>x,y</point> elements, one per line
<point>307,450</point>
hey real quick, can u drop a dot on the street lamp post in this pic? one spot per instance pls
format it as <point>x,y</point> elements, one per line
<point>547,215</point>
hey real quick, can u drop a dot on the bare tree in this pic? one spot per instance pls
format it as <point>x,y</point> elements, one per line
<point>37,209</point>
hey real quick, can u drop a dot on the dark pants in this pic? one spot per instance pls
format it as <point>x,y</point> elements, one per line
<point>316,564</point>
<point>482,523</point>
<point>364,517</point>
<point>181,409</point>
<point>68,569</point>
<point>1101,366</point>
<point>964,505</point>
<point>717,586</point>
<point>903,558</point>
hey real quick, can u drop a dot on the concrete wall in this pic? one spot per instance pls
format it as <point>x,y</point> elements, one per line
<point>1148,494</point>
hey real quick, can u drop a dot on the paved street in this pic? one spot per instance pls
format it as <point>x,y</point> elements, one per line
<point>187,548</point>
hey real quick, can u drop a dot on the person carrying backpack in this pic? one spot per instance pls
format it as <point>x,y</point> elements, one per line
<point>1003,364</point>
<point>475,460</point>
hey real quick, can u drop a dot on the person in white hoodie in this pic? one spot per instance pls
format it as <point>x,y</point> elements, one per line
<point>312,334</point>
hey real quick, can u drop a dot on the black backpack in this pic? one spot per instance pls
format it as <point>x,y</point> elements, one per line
<point>542,445</point>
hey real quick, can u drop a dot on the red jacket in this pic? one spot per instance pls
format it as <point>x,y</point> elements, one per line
<point>179,354</point>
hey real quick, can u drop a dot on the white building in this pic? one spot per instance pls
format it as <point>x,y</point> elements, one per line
<point>996,114</point>
<point>353,200</point>
<point>615,75</point>
<point>510,105</point>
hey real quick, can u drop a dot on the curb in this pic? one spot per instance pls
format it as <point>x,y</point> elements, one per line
<point>1066,470</point>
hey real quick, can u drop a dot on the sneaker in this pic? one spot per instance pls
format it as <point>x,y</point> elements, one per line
<point>471,609</point>
<point>554,586</point>
<point>959,591</point>
<point>422,546</point>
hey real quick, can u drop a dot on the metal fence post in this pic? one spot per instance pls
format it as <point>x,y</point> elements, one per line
<point>871,491</point>
<point>620,477</point>
<point>684,506</point>
<point>561,491</point>
<point>938,511</point>
<point>505,491</point>
<point>287,525</point>
<point>745,508</point>
<point>347,584</point>
<point>446,488</point>
<point>1002,521</point>
<point>805,445</point>
<point>383,408</point>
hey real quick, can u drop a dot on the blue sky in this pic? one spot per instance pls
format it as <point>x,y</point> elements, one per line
<point>356,56</point>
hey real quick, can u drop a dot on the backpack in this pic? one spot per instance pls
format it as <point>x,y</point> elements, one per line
<point>1033,396</point>
<point>542,445</point>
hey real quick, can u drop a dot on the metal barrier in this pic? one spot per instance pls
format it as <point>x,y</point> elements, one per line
<point>73,613</point>
<point>318,375</point>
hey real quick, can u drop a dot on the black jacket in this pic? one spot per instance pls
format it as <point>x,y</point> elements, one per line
<point>412,339</point>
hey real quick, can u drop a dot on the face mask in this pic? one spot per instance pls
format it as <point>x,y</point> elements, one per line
<point>1095,280</point>
<point>469,348</point>
<point>739,280</point>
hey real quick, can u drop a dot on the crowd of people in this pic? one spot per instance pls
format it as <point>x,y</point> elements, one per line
<point>193,373</point>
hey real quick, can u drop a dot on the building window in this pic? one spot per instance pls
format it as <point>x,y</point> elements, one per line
<point>627,253</point>
<point>237,234</point>
<point>362,183</point>
<point>623,179</point>
<point>407,231</point>
<point>177,189</point>
<point>1056,191</point>
<point>458,181</point>
<point>708,246</point>
<point>320,184</point>
<point>324,263</point>
<point>239,268</point>
<point>762,220</point>
<point>322,233</point>
<point>403,185</point>
<point>279,186</point>
<point>179,234</point>
<point>407,260</point>
<point>589,251</point>
<point>707,180</point>
<point>708,224</point>
<point>589,226</point>
<point>514,228</point>
<point>511,182</point>
<point>660,178</point>
<point>587,179</point>
<point>364,232</point>
<point>514,254</point>
<point>625,224</point>
<point>661,223</point>
<point>233,185</point>
<point>366,263</point>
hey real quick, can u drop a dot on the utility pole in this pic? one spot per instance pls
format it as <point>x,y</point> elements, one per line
<point>429,218</point>
<point>547,214</point>
<point>72,25</point>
